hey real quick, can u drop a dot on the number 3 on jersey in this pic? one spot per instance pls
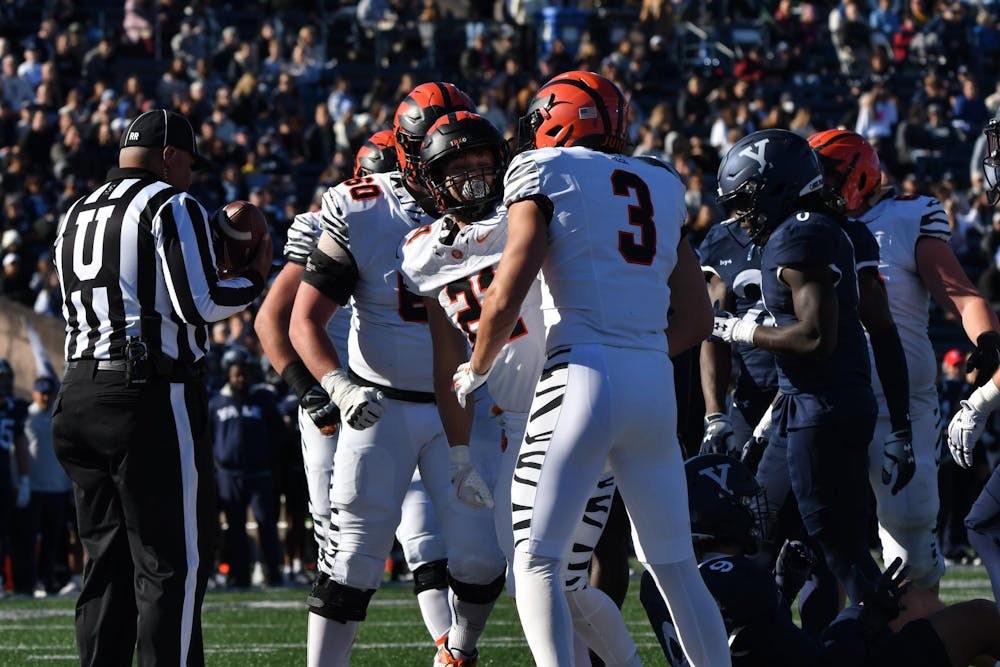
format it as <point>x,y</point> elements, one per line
<point>635,250</point>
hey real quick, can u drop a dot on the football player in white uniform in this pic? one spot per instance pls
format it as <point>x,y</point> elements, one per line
<point>966,427</point>
<point>915,263</point>
<point>452,263</point>
<point>390,425</point>
<point>418,530</point>
<point>605,231</point>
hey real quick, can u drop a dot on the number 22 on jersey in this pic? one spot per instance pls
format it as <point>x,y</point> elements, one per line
<point>471,290</point>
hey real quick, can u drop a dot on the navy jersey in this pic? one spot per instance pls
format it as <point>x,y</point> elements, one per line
<point>866,253</point>
<point>13,413</point>
<point>727,252</point>
<point>247,431</point>
<point>809,238</point>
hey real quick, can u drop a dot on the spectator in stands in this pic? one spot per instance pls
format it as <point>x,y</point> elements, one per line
<point>40,569</point>
<point>877,113</point>
<point>16,91</point>
<point>247,432</point>
<point>969,110</point>
<point>320,139</point>
<point>16,283</point>
<point>98,63</point>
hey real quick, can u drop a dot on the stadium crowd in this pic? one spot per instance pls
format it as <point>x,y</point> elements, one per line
<point>282,97</point>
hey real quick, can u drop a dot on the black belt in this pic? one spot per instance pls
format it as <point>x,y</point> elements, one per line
<point>395,394</point>
<point>164,367</point>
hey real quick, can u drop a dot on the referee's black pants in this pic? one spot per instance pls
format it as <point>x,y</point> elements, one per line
<point>141,464</point>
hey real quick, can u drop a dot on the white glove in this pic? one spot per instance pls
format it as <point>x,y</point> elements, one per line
<point>719,438</point>
<point>964,431</point>
<point>23,492</point>
<point>731,329</point>
<point>465,381</point>
<point>360,406</point>
<point>469,485</point>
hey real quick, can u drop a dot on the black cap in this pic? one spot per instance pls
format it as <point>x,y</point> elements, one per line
<point>163,128</point>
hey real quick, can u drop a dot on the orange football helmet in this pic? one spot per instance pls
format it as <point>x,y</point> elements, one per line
<point>851,162</point>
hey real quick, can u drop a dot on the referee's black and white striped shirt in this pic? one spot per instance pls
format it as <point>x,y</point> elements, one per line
<point>139,250</point>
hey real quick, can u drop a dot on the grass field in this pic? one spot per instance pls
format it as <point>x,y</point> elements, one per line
<point>268,627</point>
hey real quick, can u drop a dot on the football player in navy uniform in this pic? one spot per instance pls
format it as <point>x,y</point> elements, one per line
<point>13,413</point>
<point>731,265</point>
<point>723,497</point>
<point>771,183</point>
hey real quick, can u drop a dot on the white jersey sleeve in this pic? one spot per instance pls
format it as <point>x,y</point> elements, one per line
<point>458,266</point>
<point>389,342</point>
<point>898,223</point>
<point>616,222</point>
<point>437,254</point>
<point>303,235</point>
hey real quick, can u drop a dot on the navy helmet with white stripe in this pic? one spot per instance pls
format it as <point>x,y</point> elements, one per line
<point>764,178</point>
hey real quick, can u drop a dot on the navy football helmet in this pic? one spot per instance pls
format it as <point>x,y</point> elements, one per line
<point>991,161</point>
<point>763,178</point>
<point>725,501</point>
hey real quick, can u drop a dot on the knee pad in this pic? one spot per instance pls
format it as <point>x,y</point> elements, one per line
<point>477,593</point>
<point>338,602</point>
<point>430,576</point>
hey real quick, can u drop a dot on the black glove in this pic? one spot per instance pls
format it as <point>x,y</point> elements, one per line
<point>323,412</point>
<point>882,604</point>
<point>794,566</point>
<point>986,357</point>
<point>753,452</point>
<point>897,456</point>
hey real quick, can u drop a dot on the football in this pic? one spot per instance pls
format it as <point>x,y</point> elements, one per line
<point>237,229</point>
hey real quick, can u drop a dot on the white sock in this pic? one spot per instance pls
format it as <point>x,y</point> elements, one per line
<point>544,613</point>
<point>434,608</point>
<point>986,398</point>
<point>328,642</point>
<point>696,615</point>
<point>468,623</point>
<point>581,654</point>
<point>598,621</point>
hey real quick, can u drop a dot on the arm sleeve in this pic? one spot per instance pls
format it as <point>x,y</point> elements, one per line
<point>890,363</point>
<point>331,270</point>
<point>183,243</point>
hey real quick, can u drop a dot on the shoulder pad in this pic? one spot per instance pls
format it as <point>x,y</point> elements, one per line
<point>746,593</point>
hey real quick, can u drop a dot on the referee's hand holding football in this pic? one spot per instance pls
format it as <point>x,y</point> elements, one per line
<point>261,262</point>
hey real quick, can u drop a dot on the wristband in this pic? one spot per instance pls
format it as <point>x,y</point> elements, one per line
<point>986,398</point>
<point>298,378</point>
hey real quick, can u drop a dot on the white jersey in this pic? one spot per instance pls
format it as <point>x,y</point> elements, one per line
<point>457,266</point>
<point>389,342</point>
<point>612,244</point>
<point>303,235</point>
<point>897,224</point>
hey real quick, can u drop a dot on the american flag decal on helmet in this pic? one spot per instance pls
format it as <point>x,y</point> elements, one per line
<point>588,112</point>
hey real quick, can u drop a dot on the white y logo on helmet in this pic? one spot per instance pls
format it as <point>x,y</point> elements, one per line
<point>718,473</point>
<point>756,151</point>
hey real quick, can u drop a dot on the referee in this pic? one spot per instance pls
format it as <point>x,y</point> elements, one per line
<point>130,424</point>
